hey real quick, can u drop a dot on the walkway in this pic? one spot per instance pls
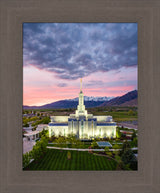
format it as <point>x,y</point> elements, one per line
<point>127,125</point>
<point>76,149</point>
<point>27,145</point>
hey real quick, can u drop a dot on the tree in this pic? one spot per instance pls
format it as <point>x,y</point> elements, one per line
<point>116,147</point>
<point>106,149</point>
<point>130,113</point>
<point>33,118</point>
<point>26,112</point>
<point>39,148</point>
<point>118,133</point>
<point>46,120</point>
<point>26,159</point>
<point>25,124</point>
<point>133,135</point>
<point>36,152</point>
<point>43,133</point>
<point>60,141</point>
<point>129,159</point>
<point>94,145</point>
<point>120,164</point>
<point>135,142</point>
<point>125,146</point>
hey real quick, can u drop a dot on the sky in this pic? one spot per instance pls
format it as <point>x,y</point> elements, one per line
<point>57,55</point>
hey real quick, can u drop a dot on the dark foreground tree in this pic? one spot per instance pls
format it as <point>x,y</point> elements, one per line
<point>129,159</point>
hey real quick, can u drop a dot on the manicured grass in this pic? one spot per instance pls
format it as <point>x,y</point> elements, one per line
<point>57,160</point>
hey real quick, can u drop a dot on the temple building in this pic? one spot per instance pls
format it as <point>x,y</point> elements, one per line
<point>81,124</point>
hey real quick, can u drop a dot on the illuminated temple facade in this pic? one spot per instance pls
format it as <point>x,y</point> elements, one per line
<point>81,124</point>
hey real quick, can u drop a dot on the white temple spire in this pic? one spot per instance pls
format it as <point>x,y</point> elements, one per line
<point>81,107</point>
<point>81,84</point>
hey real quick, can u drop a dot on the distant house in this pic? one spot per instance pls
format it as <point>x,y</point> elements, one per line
<point>32,135</point>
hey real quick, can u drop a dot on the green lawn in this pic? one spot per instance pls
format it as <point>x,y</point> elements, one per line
<point>119,116</point>
<point>122,116</point>
<point>57,160</point>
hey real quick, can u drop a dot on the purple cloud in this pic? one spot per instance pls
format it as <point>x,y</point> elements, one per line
<point>75,50</point>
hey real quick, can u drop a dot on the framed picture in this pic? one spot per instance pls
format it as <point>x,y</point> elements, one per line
<point>74,131</point>
<point>15,15</point>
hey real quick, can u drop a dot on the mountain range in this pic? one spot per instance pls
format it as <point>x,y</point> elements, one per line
<point>129,99</point>
<point>92,98</point>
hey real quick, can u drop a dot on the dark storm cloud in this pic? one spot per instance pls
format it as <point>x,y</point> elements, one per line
<point>77,50</point>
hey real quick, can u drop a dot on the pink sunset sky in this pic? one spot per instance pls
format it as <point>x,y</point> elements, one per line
<point>56,56</point>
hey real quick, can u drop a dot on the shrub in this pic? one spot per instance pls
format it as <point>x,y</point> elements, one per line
<point>116,146</point>
<point>94,145</point>
<point>109,153</point>
<point>68,155</point>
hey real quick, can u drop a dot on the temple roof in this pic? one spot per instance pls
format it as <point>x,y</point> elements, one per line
<point>106,124</point>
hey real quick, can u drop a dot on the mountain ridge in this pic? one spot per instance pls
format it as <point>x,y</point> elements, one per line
<point>128,99</point>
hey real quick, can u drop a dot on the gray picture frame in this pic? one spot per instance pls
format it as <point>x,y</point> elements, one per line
<point>13,13</point>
